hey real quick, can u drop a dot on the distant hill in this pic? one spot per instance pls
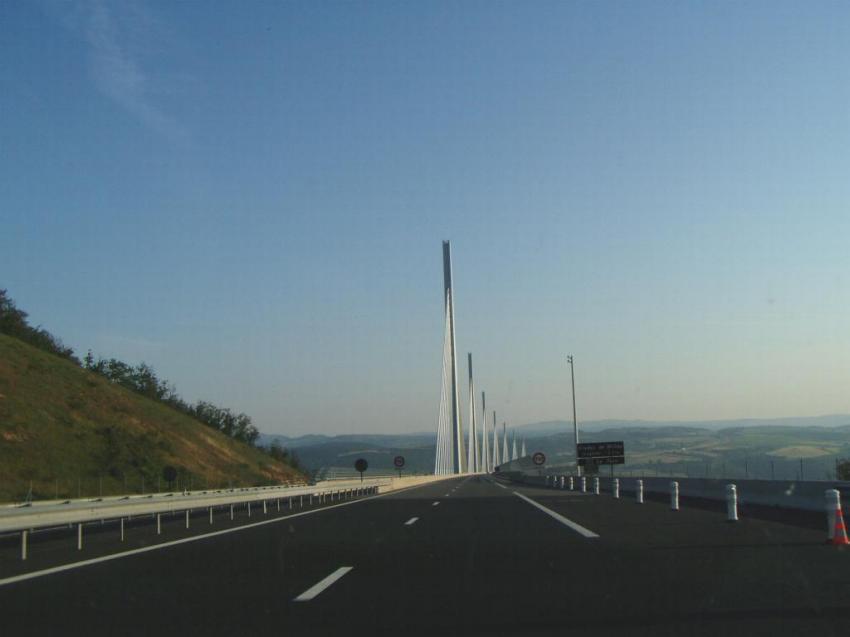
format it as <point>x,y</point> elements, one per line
<point>555,426</point>
<point>70,431</point>
<point>382,440</point>
<point>745,448</point>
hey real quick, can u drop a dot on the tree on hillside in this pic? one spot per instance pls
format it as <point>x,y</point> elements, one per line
<point>13,322</point>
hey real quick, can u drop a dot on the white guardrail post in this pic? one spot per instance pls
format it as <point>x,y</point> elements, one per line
<point>731,503</point>
<point>615,488</point>
<point>639,491</point>
<point>674,495</point>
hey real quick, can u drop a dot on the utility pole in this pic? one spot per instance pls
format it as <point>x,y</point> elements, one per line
<point>575,420</point>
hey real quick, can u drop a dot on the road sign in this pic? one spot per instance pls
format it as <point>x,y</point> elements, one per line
<point>538,458</point>
<point>601,449</point>
<point>585,462</point>
<point>398,461</point>
<point>361,465</point>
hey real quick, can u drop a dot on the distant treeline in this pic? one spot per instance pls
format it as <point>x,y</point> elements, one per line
<point>140,378</point>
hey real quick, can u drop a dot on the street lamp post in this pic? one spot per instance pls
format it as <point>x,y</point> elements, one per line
<point>575,421</point>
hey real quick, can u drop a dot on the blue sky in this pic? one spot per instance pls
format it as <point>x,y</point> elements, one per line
<point>251,197</point>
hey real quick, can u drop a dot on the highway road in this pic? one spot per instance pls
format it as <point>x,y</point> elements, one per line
<point>461,556</point>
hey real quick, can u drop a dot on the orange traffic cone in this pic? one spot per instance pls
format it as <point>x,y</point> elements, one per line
<point>840,535</point>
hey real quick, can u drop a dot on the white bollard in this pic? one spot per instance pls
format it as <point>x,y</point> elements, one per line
<point>80,536</point>
<point>265,510</point>
<point>639,491</point>
<point>833,502</point>
<point>249,509</point>
<point>572,484</point>
<point>615,488</point>
<point>187,518</point>
<point>596,486</point>
<point>731,503</point>
<point>23,545</point>
<point>290,504</point>
<point>159,523</point>
<point>583,485</point>
<point>674,495</point>
<point>122,529</point>
<point>278,505</point>
<point>563,482</point>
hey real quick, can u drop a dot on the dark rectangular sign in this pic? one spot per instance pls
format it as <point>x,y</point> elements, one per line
<point>601,449</point>
<point>583,462</point>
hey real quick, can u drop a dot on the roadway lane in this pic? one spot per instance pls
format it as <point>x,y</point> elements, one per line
<point>482,561</point>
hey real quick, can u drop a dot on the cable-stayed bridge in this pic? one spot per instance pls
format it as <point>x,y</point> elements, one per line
<point>492,544</point>
<point>456,453</point>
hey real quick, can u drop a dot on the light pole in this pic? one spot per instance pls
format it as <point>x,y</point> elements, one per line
<point>575,421</point>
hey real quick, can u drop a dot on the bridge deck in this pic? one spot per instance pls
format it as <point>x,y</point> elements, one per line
<point>475,558</point>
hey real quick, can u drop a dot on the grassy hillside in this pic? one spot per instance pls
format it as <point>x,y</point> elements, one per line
<point>70,432</point>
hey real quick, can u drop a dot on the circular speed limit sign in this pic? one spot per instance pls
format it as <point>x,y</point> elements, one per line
<point>538,458</point>
<point>398,461</point>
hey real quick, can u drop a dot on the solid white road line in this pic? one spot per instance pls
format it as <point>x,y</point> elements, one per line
<point>314,590</point>
<point>499,484</point>
<point>411,521</point>
<point>186,540</point>
<point>578,528</point>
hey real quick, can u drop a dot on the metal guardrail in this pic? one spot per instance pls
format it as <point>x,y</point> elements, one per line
<point>73,512</point>
<point>24,521</point>
<point>104,515</point>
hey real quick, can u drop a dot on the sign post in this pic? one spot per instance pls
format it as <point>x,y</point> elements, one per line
<point>361,465</point>
<point>398,461</point>
<point>539,459</point>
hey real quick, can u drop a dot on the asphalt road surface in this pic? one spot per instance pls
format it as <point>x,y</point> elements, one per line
<point>463,556</point>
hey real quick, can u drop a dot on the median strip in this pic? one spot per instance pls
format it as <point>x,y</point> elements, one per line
<point>578,528</point>
<point>316,589</point>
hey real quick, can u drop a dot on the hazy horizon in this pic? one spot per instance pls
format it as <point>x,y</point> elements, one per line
<point>253,202</point>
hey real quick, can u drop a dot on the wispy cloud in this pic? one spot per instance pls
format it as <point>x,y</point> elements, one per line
<point>119,38</point>
<point>118,75</point>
